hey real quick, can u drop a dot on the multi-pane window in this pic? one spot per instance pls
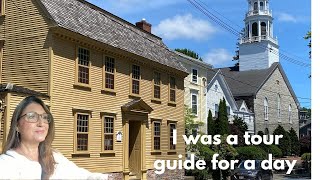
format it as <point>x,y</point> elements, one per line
<point>156,85</point>
<point>109,72</point>
<point>194,75</point>
<point>172,89</point>
<point>156,135</point>
<point>135,79</point>
<point>266,109</point>
<point>108,133</point>
<point>83,65</point>
<point>172,126</point>
<point>82,132</point>
<point>194,103</point>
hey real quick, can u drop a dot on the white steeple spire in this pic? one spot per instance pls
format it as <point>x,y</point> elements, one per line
<point>258,38</point>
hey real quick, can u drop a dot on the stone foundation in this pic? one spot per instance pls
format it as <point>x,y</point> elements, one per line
<point>115,176</point>
<point>167,175</point>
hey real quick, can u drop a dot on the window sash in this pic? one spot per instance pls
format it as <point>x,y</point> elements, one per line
<point>194,104</point>
<point>108,133</point>
<point>156,85</point>
<point>194,75</point>
<point>156,135</point>
<point>135,83</point>
<point>83,65</point>
<point>172,89</point>
<point>172,126</point>
<point>82,132</point>
<point>109,72</point>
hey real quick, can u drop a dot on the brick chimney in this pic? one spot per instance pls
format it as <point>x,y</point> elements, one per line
<point>144,25</point>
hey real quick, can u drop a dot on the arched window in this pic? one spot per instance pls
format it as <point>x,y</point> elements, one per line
<point>279,105</point>
<point>266,109</point>
<point>263,29</point>
<point>289,114</point>
<point>266,132</point>
<point>254,29</point>
<point>261,6</point>
<point>255,6</point>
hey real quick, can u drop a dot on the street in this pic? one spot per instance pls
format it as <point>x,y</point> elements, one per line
<point>282,177</point>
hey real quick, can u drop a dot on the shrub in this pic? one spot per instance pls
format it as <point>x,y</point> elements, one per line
<point>275,151</point>
<point>306,157</point>
<point>285,142</point>
<point>251,152</point>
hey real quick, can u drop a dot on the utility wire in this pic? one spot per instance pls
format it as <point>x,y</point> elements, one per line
<point>235,32</point>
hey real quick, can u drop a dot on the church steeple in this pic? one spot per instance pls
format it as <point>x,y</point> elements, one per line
<point>258,48</point>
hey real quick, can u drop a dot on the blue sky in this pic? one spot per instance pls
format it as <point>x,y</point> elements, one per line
<point>181,25</point>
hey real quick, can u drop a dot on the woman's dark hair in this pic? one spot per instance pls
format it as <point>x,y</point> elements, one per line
<point>45,151</point>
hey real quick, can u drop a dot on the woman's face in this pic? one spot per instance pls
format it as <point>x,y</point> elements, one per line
<point>32,132</point>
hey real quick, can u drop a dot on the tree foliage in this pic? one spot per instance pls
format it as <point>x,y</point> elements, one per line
<point>239,127</point>
<point>285,142</point>
<point>295,146</point>
<point>189,53</point>
<point>221,124</point>
<point>210,123</point>
<point>305,144</point>
<point>308,37</point>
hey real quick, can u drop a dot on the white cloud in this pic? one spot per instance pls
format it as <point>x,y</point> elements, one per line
<point>285,17</point>
<point>184,27</point>
<point>219,57</point>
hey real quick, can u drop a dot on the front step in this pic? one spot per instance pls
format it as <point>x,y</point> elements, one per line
<point>132,176</point>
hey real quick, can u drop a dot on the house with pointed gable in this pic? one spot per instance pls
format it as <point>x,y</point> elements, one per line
<point>217,90</point>
<point>115,90</point>
<point>246,115</point>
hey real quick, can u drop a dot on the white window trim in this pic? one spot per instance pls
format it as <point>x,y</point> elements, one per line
<point>192,75</point>
<point>197,96</point>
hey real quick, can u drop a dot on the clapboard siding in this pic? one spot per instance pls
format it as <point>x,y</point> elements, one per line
<point>25,56</point>
<point>66,96</point>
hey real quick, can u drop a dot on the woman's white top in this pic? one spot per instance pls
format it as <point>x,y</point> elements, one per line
<point>17,166</point>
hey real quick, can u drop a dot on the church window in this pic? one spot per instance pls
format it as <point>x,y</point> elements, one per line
<point>255,29</point>
<point>263,29</point>
<point>266,109</point>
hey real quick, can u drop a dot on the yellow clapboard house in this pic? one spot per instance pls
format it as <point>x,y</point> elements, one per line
<point>115,90</point>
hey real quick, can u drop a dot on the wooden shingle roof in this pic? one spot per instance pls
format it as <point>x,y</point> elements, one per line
<point>82,17</point>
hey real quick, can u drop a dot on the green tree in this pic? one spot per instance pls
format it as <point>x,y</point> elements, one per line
<point>239,127</point>
<point>189,53</point>
<point>295,145</point>
<point>285,141</point>
<point>308,37</point>
<point>221,124</point>
<point>210,124</point>
<point>199,150</point>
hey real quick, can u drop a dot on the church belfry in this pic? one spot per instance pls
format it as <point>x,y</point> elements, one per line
<point>258,48</point>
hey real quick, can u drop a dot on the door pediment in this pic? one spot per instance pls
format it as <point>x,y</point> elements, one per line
<point>137,106</point>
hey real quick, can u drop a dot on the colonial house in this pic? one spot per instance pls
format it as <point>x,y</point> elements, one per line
<point>217,90</point>
<point>195,85</point>
<point>115,90</point>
